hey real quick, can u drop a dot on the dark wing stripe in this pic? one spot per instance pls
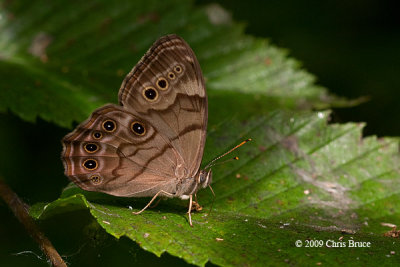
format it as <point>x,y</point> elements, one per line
<point>188,129</point>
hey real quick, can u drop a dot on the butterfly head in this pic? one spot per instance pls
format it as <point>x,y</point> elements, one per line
<point>204,178</point>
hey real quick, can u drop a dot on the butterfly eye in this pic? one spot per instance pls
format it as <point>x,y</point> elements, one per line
<point>150,94</point>
<point>162,83</point>
<point>90,164</point>
<point>202,179</point>
<point>97,135</point>
<point>171,75</point>
<point>96,179</point>
<point>178,69</point>
<point>91,147</point>
<point>109,126</point>
<point>138,128</point>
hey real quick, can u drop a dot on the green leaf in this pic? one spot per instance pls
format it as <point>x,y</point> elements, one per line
<point>298,179</point>
<point>74,55</point>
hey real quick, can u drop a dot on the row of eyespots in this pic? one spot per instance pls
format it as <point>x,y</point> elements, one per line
<point>108,126</point>
<point>92,164</point>
<point>151,94</point>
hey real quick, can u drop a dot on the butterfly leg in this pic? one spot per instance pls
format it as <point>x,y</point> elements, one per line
<point>151,201</point>
<point>196,206</point>
<point>190,209</point>
<point>156,204</point>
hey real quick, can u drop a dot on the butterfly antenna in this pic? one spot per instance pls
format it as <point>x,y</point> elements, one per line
<point>223,162</point>
<point>210,164</point>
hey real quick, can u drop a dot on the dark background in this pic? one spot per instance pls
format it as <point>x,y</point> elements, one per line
<point>351,46</point>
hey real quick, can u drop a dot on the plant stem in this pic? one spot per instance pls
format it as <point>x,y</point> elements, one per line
<point>20,210</point>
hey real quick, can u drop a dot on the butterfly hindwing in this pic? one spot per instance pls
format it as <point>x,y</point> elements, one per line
<point>111,152</point>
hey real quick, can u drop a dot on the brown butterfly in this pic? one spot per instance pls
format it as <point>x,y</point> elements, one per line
<point>152,143</point>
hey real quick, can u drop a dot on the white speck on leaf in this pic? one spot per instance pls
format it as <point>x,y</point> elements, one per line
<point>218,15</point>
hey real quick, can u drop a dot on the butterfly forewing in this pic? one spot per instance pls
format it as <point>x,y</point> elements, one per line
<point>179,109</point>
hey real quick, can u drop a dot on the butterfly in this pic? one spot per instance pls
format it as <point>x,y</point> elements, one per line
<point>152,143</point>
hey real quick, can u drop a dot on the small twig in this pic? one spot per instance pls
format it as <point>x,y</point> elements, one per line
<point>20,210</point>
